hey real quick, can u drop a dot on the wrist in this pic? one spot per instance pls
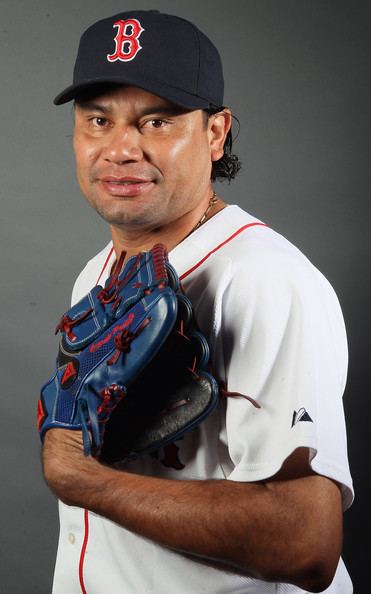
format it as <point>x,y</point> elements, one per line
<point>72,477</point>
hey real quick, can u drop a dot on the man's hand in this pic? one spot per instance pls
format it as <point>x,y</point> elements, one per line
<point>286,529</point>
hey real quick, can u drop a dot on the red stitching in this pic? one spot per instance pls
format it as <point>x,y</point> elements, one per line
<point>83,551</point>
<point>220,246</point>
<point>105,265</point>
<point>158,258</point>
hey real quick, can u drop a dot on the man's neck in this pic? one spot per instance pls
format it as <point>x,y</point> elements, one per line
<point>133,241</point>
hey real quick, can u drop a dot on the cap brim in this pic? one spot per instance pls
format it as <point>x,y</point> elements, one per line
<point>172,94</point>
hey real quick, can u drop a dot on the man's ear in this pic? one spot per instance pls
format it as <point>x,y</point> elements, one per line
<point>219,125</point>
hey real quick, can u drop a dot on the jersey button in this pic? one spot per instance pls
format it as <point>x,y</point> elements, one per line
<point>71,538</point>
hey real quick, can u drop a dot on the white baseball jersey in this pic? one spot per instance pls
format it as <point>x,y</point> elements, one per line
<point>276,334</point>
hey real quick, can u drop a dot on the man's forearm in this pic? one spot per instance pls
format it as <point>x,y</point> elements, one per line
<point>278,531</point>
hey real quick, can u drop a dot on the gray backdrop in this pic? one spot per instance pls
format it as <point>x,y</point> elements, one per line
<point>297,75</point>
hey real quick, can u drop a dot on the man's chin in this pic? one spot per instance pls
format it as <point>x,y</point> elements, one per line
<point>127,220</point>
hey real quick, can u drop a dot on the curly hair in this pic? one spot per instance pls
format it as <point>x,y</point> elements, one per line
<point>229,164</point>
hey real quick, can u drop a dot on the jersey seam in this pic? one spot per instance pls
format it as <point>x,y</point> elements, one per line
<point>219,246</point>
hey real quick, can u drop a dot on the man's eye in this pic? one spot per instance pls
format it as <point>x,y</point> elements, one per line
<point>100,122</point>
<point>157,123</point>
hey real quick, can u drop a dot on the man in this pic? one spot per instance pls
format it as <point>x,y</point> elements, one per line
<point>252,500</point>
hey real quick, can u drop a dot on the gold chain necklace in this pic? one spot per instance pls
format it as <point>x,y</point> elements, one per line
<point>213,200</point>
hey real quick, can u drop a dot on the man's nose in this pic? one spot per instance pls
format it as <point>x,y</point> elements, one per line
<point>123,145</point>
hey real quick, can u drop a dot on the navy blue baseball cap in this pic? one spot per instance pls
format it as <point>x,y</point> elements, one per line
<point>160,53</point>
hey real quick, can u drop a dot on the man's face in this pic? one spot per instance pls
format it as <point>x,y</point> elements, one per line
<point>141,162</point>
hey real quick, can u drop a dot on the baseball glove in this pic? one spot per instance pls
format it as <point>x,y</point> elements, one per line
<point>131,371</point>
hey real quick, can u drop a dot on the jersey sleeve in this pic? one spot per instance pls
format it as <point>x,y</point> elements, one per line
<point>284,344</point>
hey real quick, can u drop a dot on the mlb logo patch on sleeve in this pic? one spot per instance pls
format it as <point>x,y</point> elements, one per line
<point>300,416</point>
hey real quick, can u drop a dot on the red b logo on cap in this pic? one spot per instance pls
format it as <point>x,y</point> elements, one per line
<point>127,40</point>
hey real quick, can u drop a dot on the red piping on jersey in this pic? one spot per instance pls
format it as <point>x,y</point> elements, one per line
<point>105,264</point>
<point>220,246</point>
<point>86,515</point>
<point>83,551</point>
<point>256,224</point>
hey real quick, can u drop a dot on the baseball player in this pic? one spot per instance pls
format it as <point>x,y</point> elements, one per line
<point>251,501</point>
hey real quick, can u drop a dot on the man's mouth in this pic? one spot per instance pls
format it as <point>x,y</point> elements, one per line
<point>123,183</point>
<point>125,186</point>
